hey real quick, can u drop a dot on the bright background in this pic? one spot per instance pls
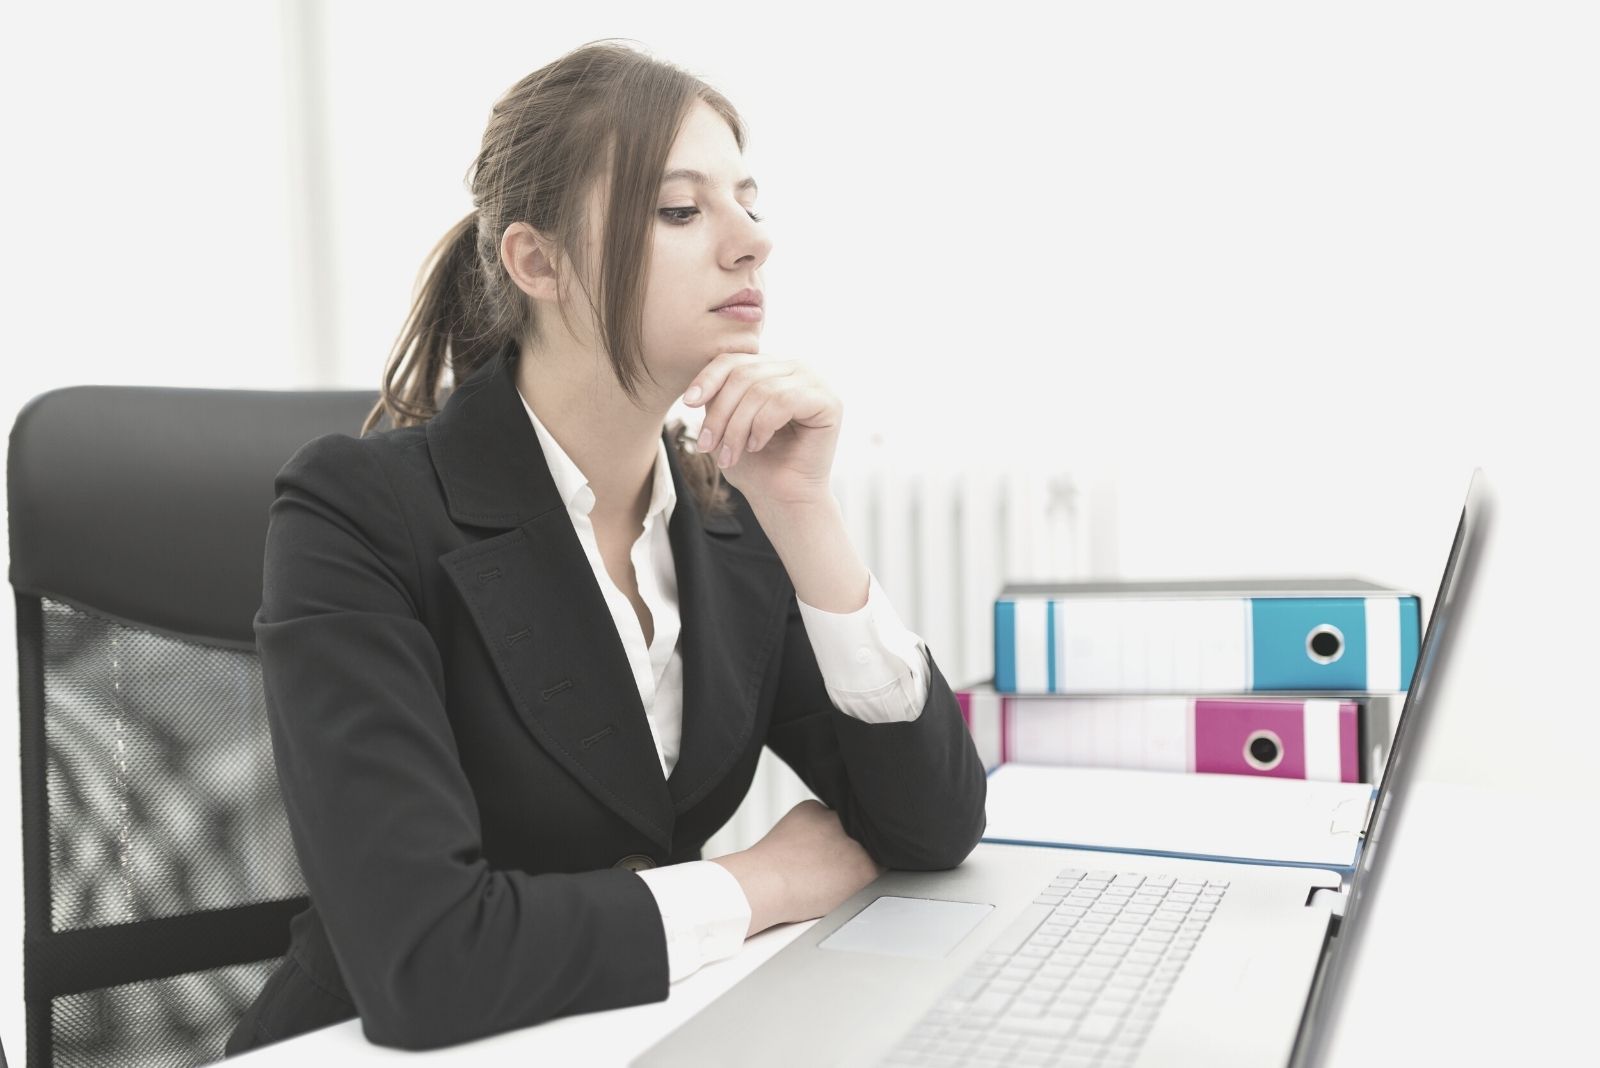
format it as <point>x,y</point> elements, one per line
<point>1277,276</point>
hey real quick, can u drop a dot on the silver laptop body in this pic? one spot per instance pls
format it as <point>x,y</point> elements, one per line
<point>1237,964</point>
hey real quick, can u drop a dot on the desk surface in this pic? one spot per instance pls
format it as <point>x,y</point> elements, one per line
<point>1440,979</point>
<point>613,1037</point>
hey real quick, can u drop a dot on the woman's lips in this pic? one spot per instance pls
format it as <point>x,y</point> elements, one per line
<point>750,313</point>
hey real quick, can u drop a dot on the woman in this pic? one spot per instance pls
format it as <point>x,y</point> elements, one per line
<point>522,651</point>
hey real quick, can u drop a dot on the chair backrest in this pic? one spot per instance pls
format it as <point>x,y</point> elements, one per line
<point>159,876</point>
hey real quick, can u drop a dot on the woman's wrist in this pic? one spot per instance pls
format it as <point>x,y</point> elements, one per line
<point>763,886</point>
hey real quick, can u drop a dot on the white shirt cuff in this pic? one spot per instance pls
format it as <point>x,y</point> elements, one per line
<point>704,911</point>
<point>873,667</point>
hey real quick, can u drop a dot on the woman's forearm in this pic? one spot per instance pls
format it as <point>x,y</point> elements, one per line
<point>823,565</point>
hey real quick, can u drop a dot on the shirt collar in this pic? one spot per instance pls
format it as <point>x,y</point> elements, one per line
<point>574,487</point>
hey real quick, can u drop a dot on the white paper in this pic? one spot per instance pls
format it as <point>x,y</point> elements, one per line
<point>1234,817</point>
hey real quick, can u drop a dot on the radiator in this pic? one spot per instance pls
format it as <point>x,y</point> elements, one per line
<point>942,541</point>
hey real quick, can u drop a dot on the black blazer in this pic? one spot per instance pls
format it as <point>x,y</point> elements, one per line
<point>467,769</point>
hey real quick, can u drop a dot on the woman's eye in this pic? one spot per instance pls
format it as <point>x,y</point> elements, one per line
<point>674,215</point>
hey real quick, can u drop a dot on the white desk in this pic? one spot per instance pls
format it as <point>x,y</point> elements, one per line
<point>1438,982</point>
<point>598,1039</point>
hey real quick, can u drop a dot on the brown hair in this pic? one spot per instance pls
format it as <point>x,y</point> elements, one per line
<point>601,107</point>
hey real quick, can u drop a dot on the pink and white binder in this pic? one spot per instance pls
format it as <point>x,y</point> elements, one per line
<point>1314,738</point>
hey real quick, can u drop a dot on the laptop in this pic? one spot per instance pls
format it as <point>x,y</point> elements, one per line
<point>1028,954</point>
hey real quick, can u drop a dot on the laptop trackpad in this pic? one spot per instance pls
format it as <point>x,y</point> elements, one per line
<point>908,927</point>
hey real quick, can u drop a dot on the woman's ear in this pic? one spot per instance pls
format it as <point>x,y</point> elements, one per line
<point>525,254</point>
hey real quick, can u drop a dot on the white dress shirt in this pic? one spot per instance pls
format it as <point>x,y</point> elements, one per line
<point>872,666</point>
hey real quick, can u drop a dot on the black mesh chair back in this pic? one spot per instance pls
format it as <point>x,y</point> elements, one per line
<point>159,876</point>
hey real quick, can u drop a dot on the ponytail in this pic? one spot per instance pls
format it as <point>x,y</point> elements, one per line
<point>453,326</point>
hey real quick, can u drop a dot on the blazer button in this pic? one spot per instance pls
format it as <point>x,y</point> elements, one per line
<point>635,862</point>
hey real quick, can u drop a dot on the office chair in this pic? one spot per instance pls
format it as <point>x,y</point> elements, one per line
<point>159,875</point>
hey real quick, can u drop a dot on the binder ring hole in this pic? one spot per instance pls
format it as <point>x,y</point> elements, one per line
<point>1325,644</point>
<point>1263,750</point>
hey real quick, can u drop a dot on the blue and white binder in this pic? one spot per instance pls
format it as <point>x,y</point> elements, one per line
<point>1205,636</point>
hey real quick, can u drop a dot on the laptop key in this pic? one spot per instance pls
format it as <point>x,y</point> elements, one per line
<point>1098,1026</point>
<point>1027,1010</point>
<point>1071,1004</point>
<point>989,1004</point>
<point>1048,1024</point>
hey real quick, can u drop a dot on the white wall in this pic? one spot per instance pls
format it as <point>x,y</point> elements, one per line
<point>1281,276</point>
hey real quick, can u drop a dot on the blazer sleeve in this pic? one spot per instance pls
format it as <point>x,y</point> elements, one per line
<point>436,946</point>
<point>912,792</point>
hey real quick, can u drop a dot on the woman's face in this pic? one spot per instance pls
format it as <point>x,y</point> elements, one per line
<point>705,248</point>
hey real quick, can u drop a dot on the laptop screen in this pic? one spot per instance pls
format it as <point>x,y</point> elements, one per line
<point>1465,552</point>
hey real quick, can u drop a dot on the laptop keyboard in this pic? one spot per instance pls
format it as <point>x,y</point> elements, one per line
<point>1078,979</point>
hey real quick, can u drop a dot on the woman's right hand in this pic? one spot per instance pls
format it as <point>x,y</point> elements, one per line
<point>804,867</point>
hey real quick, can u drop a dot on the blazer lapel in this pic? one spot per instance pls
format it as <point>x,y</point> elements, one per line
<point>539,609</point>
<point>731,600</point>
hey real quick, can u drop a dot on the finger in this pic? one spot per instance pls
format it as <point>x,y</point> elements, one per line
<point>713,382</point>
<point>806,405</point>
<point>772,417</point>
<point>734,383</point>
<point>760,396</point>
<point>713,431</point>
<point>712,375</point>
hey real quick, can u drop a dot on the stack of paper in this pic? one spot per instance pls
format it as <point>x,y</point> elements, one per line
<point>1211,817</point>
